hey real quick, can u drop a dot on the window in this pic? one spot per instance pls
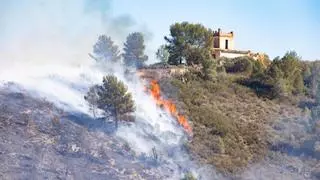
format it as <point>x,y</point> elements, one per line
<point>226,44</point>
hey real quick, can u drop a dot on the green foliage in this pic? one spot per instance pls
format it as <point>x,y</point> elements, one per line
<point>208,65</point>
<point>105,50</point>
<point>244,65</point>
<point>284,75</point>
<point>220,112</point>
<point>311,76</point>
<point>186,40</point>
<point>162,54</point>
<point>134,50</point>
<point>318,94</point>
<point>113,97</point>
<point>189,176</point>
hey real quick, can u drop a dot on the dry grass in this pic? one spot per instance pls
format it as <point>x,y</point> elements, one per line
<point>229,120</point>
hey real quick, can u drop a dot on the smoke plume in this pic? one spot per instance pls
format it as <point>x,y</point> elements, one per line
<point>44,48</point>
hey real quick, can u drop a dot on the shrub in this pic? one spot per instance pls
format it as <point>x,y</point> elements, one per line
<point>220,137</point>
<point>244,65</point>
<point>189,176</point>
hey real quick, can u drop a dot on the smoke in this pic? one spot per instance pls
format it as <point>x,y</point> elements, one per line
<point>44,48</point>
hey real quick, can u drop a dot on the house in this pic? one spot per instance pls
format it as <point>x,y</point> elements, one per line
<point>223,46</point>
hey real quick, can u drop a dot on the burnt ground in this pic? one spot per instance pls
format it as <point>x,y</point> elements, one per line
<point>39,141</point>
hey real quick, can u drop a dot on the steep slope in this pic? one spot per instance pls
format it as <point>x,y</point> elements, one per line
<point>241,134</point>
<point>39,141</point>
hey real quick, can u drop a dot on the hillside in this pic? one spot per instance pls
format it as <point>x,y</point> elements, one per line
<point>238,131</point>
<point>40,141</point>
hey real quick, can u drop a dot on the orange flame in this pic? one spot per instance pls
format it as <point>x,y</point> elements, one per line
<point>168,105</point>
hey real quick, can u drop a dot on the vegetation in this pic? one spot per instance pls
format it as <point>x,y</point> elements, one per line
<point>311,77</point>
<point>285,74</point>
<point>225,98</point>
<point>318,94</point>
<point>208,65</point>
<point>105,50</point>
<point>186,41</point>
<point>134,47</point>
<point>112,97</point>
<point>227,121</point>
<point>163,54</point>
<point>188,176</point>
<point>244,65</point>
<point>229,102</point>
<point>282,78</point>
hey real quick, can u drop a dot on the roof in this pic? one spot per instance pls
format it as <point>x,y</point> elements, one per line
<point>231,51</point>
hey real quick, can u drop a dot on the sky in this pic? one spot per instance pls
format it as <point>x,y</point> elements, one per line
<point>55,28</point>
<point>270,26</point>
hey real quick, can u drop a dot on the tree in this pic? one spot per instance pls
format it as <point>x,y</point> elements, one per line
<point>105,50</point>
<point>92,98</point>
<point>246,65</point>
<point>115,99</point>
<point>134,50</point>
<point>208,65</point>
<point>163,54</point>
<point>285,74</point>
<point>311,75</point>
<point>185,38</point>
<point>318,93</point>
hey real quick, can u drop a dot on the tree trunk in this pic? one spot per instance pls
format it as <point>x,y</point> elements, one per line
<point>116,119</point>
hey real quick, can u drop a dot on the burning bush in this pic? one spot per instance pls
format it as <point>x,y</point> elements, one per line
<point>168,105</point>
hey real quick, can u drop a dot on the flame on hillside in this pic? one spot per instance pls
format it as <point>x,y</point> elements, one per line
<point>169,106</point>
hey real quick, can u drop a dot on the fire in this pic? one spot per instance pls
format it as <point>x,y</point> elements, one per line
<point>168,105</point>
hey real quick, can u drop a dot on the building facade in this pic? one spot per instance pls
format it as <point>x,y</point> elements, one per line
<point>223,45</point>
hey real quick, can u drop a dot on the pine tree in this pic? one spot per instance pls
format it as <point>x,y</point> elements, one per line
<point>105,50</point>
<point>134,50</point>
<point>115,99</point>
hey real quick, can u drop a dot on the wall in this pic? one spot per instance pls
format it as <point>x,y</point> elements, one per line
<point>231,55</point>
<point>223,42</point>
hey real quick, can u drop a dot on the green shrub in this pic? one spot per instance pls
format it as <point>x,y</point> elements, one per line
<point>189,176</point>
<point>244,65</point>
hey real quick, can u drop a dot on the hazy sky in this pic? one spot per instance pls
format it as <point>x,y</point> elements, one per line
<point>270,26</point>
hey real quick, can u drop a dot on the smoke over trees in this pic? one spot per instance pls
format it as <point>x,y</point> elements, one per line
<point>134,47</point>
<point>105,50</point>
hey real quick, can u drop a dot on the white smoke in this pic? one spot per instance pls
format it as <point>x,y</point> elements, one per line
<point>44,48</point>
